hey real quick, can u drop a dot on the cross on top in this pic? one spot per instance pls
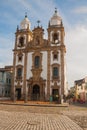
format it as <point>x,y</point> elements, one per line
<point>38,22</point>
<point>25,14</point>
<point>55,10</point>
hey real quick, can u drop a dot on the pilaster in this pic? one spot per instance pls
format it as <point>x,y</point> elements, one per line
<point>48,75</point>
<point>13,79</point>
<point>62,71</point>
<point>24,81</point>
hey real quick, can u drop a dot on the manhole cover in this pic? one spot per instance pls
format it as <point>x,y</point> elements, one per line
<point>33,122</point>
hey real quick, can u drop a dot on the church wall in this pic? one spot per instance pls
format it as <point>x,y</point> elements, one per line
<point>29,38</point>
<point>44,68</point>
<point>16,83</point>
<point>59,63</point>
<point>65,82</point>
<point>55,62</point>
<point>44,65</point>
<point>51,35</point>
<point>29,65</point>
<point>19,62</point>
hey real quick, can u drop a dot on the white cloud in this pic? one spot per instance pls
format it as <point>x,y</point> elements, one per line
<point>6,53</point>
<point>6,57</point>
<point>76,43</point>
<point>80,10</point>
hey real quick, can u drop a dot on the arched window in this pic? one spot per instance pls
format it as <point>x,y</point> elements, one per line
<point>21,41</point>
<point>20,58</point>
<point>55,56</point>
<point>37,61</point>
<point>55,37</point>
<point>55,72</point>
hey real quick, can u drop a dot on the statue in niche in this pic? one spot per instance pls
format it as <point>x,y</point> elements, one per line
<point>37,40</point>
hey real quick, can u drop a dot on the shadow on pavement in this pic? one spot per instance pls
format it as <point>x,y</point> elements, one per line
<point>80,104</point>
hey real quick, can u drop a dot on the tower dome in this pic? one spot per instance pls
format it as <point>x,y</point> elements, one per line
<point>25,24</point>
<point>55,19</point>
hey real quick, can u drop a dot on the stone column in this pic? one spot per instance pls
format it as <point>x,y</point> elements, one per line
<point>24,83</point>
<point>41,92</point>
<point>29,91</point>
<point>13,79</point>
<point>48,75</point>
<point>62,71</point>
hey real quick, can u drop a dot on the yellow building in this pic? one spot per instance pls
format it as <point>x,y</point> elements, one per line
<point>81,89</point>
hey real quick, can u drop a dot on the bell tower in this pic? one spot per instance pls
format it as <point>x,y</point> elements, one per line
<point>23,36</point>
<point>57,55</point>
<point>56,30</point>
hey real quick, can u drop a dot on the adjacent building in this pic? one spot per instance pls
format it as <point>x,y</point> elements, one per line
<point>5,81</point>
<point>81,89</point>
<point>39,66</point>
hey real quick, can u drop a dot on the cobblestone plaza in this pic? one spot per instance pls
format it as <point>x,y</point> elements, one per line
<point>19,117</point>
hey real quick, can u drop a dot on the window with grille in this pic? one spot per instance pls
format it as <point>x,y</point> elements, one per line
<point>55,72</point>
<point>37,62</point>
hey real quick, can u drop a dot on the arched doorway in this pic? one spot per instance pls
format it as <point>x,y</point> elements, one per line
<point>55,94</point>
<point>18,93</point>
<point>36,92</point>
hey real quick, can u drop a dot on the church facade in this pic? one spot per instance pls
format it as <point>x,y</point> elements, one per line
<point>39,70</point>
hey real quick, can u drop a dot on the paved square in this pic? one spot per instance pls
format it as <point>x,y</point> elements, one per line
<point>35,121</point>
<point>21,116</point>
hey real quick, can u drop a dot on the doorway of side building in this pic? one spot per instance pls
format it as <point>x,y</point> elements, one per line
<point>55,94</point>
<point>36,92</point>
<point>18,93</point>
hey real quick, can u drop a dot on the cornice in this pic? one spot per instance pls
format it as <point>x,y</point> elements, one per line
<point>40,48</point>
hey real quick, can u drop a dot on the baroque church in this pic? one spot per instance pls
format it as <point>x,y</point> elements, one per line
<point>39,67</point>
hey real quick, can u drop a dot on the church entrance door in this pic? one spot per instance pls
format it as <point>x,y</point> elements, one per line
<point>55,94</point>
<point>36,92</point>
<point>18,93</point>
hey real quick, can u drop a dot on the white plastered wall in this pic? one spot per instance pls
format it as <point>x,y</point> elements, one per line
<point>19,63</point>
<point>55,62</point>
<point>29,65</point>
<point>44,68</point>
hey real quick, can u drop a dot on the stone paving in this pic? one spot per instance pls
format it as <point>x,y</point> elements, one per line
<point>35,118</point>
<point>17,117</point>
<point>80,117</point>
<point>34,121</point>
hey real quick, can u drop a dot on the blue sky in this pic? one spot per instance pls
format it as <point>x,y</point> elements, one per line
<point>74,16</point>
